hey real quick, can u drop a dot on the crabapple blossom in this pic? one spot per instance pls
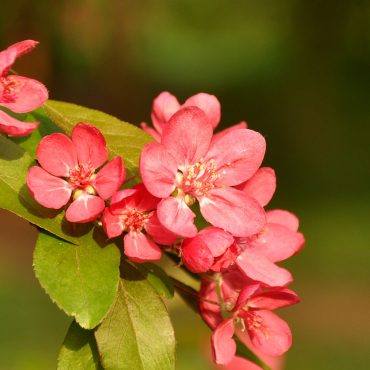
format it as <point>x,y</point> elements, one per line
<point>68,168</point>
<point>165,105</point>
<point>129,212</point>
<point>183,168</point>
<point>17,93</point>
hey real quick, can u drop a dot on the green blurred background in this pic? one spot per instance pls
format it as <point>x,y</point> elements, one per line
<point>297,71</point>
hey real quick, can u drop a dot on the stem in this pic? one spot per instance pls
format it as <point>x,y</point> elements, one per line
<point>197,296</point>
<point>129,179</point>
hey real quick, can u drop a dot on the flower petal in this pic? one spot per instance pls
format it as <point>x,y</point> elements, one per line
<point>113,224</point>
<point>234,211</point>
<point>244,295</point>
<point>273,299</point>
<point>187,136</point>
<point>196,255</point>
<point>158,232</point>
<point>158,170</point>
<point>24,47</point>
<point>151,131</point>
<point>15,127</point>
<point>140,248</point>
<point>278,338</point>
<point>260,268</point>
<point>48,190</point>
<point>124,201</point>
<point>209,104</point>
<point>216,239</point>
<point>260,186</point>
<point>85,208</point>
<point>32,94</point>
<point>57,154</point>
<point>221,134</point>
<point>223,346</point>
<point>7,58</point>
<point>165,105</point>
<point>177,217</point>
<point>146,201</point>
<point>223,262</point>
<point>237,156</point>
<point>90,145</point>
<point>109,179</point>
<point>285,218</point>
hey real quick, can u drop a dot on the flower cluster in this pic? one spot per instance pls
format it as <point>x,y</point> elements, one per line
<point>235,256</point>
<point>17,93</point>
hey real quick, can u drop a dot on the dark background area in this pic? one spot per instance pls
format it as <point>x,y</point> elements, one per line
<point>297,71</point>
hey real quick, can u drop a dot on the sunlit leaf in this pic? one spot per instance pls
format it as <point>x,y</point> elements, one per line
<point>137,334</point>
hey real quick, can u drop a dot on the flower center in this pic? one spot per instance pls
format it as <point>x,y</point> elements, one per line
<point>10,85</point>
<point>243,242</point>
<point>82,175</point>
<point>135,221</point>
<point>200,179</point>
<point>254,323</point>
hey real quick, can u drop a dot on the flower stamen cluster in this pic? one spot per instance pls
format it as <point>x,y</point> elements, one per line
<point>135,221</point>
<point>11,85</point>
<point>81,175</point>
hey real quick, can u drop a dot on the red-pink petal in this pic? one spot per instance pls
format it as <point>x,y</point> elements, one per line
<point>24,47</point>
<point>221,134</point>
<point>146,201</point>
<point>260,186</point>
<point>302,242</point>
<point>15,127</point>
<point>279,336</point>
<point>223,262</point>
<point>260,268</point>
<point>273,299</point>
<point>57,154</point>
<point>140,248</point>
<point>164,106</point>
<point>158,170</point>
<point>187,136</point>
<point>285,218</point>
<point>244,294</point>
<point>151,131</point>
<point>237,156</point>
<point>216,239</point>
<point>85,208</point>
<point>177,217</point>
<point>196,255</point>
<point>234,211</point>
<point>48,190</point>
<point>90,145</point>
<point>223,346</point>
<point>7,58</point>
<point>109,179</point>
<point>32,94</point>
<point>113,224</point>
<point>209,104</point>
<point>158,232</point>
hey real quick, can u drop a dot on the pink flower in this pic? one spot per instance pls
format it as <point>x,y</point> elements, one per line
<point>166,105</point>
<point>268,333</point>
<point>279,241</point>
<point>212,249</point>
<point>76,160</point>
<point>130,212</point>
<point>184,165</point>
<point>17,93</point>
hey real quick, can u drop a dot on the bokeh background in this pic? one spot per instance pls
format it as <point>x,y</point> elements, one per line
<point>297,71</point>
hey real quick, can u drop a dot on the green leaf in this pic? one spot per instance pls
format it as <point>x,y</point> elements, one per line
<point>158,278</point>
<point>122,138</point>
<point>137,334</point>
<point>15,197</point>
<point>81,279</point>
<point>46,127</point>
<point>79,350</point>
<point>190,299</point>
<point>243,351</point>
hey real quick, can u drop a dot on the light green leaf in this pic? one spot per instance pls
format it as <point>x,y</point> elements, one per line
<point>122,138</point>
<point>81,279</point>
<point>137,334</point>
<point>79,350</point>
<point>243,351</point>
<point>158,278</point>
<point>15,197</point>
<point>46,127</point>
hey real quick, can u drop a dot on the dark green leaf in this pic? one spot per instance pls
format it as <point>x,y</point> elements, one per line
<point>81,279</point>
<point>14,195</point>
<point>79,350</point>
<point>243,351</point>
<point>122,138</point>
<point>137,334</point>
<point>46,127</point>
<point>189,299</point>
<point>158,278</point>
